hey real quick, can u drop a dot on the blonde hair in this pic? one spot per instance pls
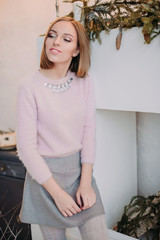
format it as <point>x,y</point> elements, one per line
<point>79,64</point>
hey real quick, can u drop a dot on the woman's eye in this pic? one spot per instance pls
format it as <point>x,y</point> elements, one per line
<point>52,35</point>
<point>67,39</point>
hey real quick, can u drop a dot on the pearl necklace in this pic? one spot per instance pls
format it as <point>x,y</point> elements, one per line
<point>59,88</point>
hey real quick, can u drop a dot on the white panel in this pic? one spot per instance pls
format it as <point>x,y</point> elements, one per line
<point>116,163</point>
<point>148,128</point>
<point>127,79</point>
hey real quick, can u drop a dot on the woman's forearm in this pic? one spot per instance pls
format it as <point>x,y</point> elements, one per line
<point>51,186</point>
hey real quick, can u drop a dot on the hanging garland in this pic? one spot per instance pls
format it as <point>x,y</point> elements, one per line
<point>121,14</point>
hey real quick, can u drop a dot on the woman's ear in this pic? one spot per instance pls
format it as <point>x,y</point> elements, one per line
<point>76,53</point>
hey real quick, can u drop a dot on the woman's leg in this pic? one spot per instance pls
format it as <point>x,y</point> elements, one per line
<point>50,233</point>
<point>94,229</point>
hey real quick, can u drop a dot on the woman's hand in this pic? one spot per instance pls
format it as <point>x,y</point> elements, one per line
<point>86,196</point>
<point>64,202</point>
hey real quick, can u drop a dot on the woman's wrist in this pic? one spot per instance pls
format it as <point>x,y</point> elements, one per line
<point>86,174</point>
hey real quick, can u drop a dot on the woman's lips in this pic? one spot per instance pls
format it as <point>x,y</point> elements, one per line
<point>54,50</point>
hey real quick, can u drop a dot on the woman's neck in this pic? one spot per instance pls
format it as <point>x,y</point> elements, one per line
<point>57,72</point>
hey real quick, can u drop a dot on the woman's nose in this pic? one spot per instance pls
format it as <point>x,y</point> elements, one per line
<point>57,40</point>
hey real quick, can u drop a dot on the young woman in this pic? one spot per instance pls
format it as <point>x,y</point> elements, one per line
<point>56,137</point>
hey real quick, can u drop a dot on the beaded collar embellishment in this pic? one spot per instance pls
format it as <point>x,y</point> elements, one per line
<point>59,88</point>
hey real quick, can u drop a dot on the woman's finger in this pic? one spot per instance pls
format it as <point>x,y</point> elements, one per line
<point>69,213</point>
<point>90,202</point>
<point>75,206</point>
<point>78,197</point>
<point>85,203</point>
<point>64,213</point>
<point>73,210</point>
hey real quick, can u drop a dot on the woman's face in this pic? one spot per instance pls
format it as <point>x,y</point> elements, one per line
<point>61,43</point>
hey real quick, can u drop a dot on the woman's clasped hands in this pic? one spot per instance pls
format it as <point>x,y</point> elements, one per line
<point>85,197</point>
<point>85,194</point>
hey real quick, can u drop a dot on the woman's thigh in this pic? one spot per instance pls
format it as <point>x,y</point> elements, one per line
<point>50,233</point>
<point>94,229</point>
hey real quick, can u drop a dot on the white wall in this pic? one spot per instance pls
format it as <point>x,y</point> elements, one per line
<point>21,22</point>
<point>116,165</point>
<point>127,79</point>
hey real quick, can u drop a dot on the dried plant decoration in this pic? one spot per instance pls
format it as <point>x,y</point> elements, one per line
<point>105,16</point>
<point>140,216</point>
<point>119,39</point>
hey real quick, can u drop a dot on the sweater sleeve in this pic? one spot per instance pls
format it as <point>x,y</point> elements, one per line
<point>89,129</point>
<point>26,133</point>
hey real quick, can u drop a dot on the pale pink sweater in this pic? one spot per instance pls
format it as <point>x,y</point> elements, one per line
<point>54,124</point>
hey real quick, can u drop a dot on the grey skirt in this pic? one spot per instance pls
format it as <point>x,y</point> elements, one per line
<point>38,207</point>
